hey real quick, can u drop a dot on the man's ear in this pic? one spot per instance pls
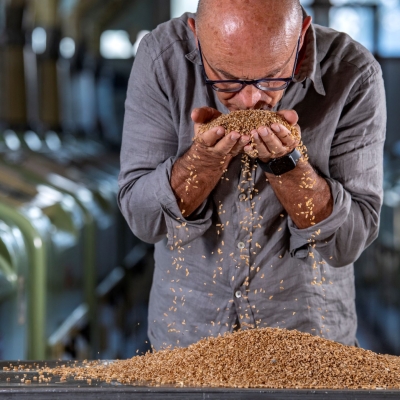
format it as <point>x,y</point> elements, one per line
<point>192,26</point>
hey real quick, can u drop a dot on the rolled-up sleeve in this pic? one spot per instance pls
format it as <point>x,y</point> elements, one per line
<point>356,174</point>
<point>149,150</point>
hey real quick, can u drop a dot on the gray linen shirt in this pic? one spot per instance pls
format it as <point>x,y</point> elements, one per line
<point>239,257</point>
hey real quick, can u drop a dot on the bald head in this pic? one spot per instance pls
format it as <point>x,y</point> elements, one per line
<point>264,21</point>
<point>249,40</point>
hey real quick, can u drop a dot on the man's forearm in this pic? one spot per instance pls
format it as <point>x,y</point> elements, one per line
<point>304,194</point>
<point>194,176</point>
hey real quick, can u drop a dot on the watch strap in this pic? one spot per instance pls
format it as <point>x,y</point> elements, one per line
<point>294,156</point>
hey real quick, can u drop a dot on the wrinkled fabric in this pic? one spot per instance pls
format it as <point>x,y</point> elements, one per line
<point>239,260</point>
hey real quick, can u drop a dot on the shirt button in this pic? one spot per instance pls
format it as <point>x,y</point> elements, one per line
<point>238,294</point>
<point>242,197</point>
<point>241,245</point>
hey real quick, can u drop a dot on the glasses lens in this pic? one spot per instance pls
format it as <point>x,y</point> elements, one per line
<point>272,85</point>
<point>227,86</point>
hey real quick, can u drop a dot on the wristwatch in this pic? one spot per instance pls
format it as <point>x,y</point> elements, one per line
<point>281,165</point>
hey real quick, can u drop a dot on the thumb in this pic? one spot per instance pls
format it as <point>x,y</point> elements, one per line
<point>291,116</point>
<point>204,114</point>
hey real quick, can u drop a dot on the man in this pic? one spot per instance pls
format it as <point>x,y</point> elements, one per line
<point>239,242</point>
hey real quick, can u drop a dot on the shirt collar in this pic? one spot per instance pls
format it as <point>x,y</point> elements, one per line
<point>310,66</point>
<point>194,57</point>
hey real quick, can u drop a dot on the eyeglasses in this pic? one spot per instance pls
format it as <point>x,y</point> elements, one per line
<point>236,85</point>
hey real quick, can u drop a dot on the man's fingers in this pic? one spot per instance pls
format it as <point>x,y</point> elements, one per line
<point>291,116</point>
<point>204,114</point>
<point>221,145</point>
<point>226,145</point>
<point>272,142</point>
<point>284,135</point>
<point>211,137</point>
<point>263,152</point>
<point>240,145</point>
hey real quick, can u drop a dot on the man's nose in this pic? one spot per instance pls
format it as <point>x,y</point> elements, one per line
<point>251,96</point>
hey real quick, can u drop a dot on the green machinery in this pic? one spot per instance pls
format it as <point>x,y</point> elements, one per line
<point>51,224</point>
<point>13,290</point>
<point>57,203</point>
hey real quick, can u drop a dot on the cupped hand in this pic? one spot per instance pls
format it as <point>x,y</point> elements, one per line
<point>276,141</point>
<point>215,141</point>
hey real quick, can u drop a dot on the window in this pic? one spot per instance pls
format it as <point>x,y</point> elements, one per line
<point>389,29</point>
<point>115,44</point>
<point>39,40</point>
<point>358,22</point>
<point>67,47</point>
<point>178,7</point>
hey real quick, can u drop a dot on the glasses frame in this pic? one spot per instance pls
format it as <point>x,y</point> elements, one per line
<point>254,82</point>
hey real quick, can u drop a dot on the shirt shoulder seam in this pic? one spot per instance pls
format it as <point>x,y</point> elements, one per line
<point>155,55</point>
<point>362,82</point>
<point>162,51</point>
<point>364,75</point>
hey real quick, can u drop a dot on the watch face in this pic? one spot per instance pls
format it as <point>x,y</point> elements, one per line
<point>282,165</point>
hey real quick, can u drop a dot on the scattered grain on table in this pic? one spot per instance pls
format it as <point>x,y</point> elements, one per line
<point>256,358</point>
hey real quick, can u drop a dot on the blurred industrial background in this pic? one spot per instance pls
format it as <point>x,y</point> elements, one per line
<point>74,281</point>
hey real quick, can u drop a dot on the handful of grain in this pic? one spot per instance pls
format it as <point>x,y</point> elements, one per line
<point>244,121</point>
<point>256,358</point>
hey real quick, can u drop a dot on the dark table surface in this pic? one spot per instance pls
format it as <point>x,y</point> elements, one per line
<point>12,387</point>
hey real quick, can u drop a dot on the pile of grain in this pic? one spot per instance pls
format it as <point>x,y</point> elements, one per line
<point>258,358</point>
<point>244,121</point>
